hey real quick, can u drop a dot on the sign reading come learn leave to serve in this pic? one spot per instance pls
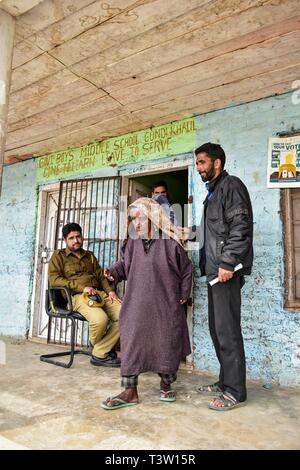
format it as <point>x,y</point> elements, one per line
<point>170,139</point>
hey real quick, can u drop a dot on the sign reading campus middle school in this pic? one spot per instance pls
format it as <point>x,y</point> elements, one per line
<point>284,162</point>
<point>161,141</point>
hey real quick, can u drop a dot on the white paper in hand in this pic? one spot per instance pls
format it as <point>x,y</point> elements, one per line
<point>216,279</point>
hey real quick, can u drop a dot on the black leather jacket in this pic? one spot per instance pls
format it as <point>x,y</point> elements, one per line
<point>228,227</point>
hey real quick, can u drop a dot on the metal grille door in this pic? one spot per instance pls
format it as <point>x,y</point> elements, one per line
<point>94,205</point>
<point>49,208</point>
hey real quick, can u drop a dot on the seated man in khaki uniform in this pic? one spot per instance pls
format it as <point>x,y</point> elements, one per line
<point>79,270</point>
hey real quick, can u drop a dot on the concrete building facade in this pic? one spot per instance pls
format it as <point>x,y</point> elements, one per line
<point>271,331</point>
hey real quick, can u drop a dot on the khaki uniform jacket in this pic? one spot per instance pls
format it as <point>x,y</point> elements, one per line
<point>66,270</point>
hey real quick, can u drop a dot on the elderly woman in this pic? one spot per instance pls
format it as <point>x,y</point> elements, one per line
<point>153,326</point>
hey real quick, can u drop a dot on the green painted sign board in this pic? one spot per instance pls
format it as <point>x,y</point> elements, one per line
<point>157,142</point>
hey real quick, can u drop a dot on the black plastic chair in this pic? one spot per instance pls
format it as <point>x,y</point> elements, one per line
<point>58,304</point>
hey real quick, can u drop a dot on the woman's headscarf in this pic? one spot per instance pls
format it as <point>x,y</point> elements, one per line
<point>154,212</point>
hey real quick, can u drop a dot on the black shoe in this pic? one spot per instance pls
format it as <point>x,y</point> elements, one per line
<point>106,362</point>
<point>113,354</point>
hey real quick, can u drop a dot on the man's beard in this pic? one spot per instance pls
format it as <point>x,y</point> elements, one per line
<point>208,175</point>
<point>74,250</point>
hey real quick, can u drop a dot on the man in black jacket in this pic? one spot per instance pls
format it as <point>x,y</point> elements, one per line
<point>226,232</point>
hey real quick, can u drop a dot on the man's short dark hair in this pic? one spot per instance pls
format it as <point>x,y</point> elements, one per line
<point>71,227</point>
<point>214,151</point>
<point>160,183</point>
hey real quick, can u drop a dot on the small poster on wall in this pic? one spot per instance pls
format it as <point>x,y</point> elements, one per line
<point>284,162</point>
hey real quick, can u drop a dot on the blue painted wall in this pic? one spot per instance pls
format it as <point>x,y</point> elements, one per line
<point>270,332</point>
<point>17,219</point>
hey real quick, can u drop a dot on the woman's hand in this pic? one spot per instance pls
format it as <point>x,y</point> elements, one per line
<point>90,290</point>
<point>114,298</point>
<point>185,233</point>
<point>108,275</point>
<point>183,301</point>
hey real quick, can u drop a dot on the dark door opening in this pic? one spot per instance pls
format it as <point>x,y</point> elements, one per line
<point>177,183</point>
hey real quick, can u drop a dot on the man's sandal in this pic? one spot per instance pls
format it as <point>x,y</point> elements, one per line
<point>115,403</point>
<point>212,389</point>
<point>228,402</point>
<point>167,395</point>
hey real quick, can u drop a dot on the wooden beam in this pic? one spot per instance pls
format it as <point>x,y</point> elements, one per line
<point>143,15</point>
<point>18,7</point>
<point>233,35</point>
<point>114,126</point>
<point>24,52</point>
<point>64,122</point>
<point>85,19</point>
<point>228,95</point>
<point>33,71</point>
<point>225,95</point>
<point>49,115</point>
<point>260,58</point>
<point>7,29</point>
<point>46,93</point>
<point>45,14</point>
<point>171,27</point>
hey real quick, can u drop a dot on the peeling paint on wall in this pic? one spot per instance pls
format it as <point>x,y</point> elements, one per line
<point>17,216</point>
<point>270,332</point>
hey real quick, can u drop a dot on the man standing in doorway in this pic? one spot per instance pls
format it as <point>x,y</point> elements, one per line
<point>160,195</point>
<point>79,270</point>
<point>227,237</point>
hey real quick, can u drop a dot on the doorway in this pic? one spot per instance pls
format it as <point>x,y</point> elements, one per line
<point>177,181</point>
<point>47,217</point>
<point>94,204</point>
<point>177,186</point>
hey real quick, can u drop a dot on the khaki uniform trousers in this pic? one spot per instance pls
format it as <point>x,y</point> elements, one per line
<point>102,339</point>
